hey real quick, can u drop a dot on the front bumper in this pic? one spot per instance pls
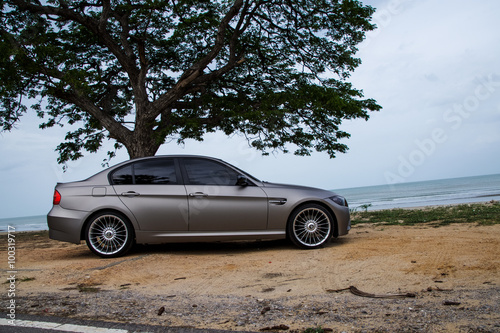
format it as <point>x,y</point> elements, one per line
<point>342,216</point>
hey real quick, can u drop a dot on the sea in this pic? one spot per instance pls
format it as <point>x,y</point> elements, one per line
<point>401,195</point>
<point>424,193</point>
<point>25,223</point>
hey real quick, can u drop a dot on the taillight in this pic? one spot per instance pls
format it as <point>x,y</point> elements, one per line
<point>57,198</point>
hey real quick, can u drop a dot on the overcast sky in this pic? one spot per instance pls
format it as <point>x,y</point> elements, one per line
<point>434,67</point>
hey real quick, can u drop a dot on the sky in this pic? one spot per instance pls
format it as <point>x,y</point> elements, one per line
<point>434,67</point>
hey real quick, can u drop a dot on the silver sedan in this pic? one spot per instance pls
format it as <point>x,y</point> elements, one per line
<point>181,198</point>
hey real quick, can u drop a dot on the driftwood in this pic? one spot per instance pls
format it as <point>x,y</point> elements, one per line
<point>358,292</point>
<point>161,310</point>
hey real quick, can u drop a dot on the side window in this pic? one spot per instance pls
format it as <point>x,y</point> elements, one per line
<point>207,172</point>
<point>155,171</point>
<point>123,176</point>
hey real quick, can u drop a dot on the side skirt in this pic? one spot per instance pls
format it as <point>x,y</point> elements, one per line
<point>152,237</point>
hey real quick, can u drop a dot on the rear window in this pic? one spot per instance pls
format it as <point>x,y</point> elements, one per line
<point>154,171</point>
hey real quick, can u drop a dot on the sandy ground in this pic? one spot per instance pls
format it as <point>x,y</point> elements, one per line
<point>453,272</point>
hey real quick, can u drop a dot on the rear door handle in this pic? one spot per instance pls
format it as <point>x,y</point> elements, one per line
<point>198,194</point>
<point>130,194</point>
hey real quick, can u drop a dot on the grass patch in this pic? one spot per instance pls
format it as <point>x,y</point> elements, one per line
<point>27,279</point>
<point>317,330</point>
<point>481,213</point>
<point>88,288</point>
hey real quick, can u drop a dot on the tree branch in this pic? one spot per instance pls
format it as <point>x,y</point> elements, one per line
<point>115,129</point>
<point>196,69</point>
<point>98,28</point>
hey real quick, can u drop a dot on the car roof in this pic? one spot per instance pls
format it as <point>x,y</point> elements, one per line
<point>102,175</point>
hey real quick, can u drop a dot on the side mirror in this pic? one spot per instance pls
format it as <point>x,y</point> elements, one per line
<point>242,181</point>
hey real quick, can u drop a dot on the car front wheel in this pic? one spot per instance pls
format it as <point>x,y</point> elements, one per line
<point>310,226</point>
<point>109,234</point>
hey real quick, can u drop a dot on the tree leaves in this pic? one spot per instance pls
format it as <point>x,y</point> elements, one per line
<point>144,73</point>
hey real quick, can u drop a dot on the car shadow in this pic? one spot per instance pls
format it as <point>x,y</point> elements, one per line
<point>203,248</point>
<point>227,247</point>
<point>207,248</point>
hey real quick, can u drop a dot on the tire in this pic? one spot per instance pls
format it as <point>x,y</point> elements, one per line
<point>310,226</point>
<point>109,234</point>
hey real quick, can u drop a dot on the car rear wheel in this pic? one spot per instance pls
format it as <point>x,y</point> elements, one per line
<point>310,226</point>
<point>109,234</point>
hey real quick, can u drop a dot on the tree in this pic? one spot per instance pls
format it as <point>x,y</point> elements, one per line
<point>144,72</point>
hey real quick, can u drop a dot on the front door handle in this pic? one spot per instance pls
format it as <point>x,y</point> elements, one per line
<point>198,194</point>
<point>130,194</point>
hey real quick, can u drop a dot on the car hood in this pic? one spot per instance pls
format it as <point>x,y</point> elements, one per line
<point>304,189</point>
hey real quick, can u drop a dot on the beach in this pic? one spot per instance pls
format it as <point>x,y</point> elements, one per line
<point>411,278</point>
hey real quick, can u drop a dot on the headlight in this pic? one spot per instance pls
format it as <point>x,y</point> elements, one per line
<point>341,201</point>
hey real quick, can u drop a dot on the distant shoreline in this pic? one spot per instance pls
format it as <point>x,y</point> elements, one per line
<point>412,195</point>
<point>425,193</point>
<point>25,223</point>
<point>485,199</point>
<point>43,232</point>
<point>23,234</point>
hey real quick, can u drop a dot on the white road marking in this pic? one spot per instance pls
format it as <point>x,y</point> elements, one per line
<point>60,326</point>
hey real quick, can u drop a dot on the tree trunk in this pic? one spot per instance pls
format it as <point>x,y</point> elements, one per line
<point>141,149</point>
<point>142,143</point>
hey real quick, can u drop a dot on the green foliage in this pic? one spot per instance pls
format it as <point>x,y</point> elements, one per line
<point>314,330</point>
<point>483,214</point>
<point>27,279</point>
<point>144,72</point>
<point>364,207</point>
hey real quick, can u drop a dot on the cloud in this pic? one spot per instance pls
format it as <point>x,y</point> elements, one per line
<point>433,67</point>
<point>426,59</point>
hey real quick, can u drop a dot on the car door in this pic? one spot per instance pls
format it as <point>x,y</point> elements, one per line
<point>217,203</point>
<point>151,189</point>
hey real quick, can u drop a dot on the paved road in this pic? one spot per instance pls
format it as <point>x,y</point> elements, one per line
<point>49,324</point>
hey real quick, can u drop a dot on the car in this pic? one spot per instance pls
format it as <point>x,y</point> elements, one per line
<point>186,198</point>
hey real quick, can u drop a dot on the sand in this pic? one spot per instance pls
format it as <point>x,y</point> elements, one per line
<point>453,272</point>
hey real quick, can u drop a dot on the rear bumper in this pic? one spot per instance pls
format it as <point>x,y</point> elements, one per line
<point>65,225</point>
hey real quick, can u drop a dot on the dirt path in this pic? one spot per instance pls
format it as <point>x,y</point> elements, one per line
<point>452,270</point>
